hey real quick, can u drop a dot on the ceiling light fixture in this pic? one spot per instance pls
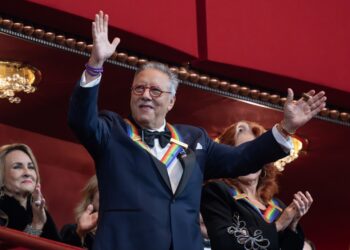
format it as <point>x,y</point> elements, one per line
<point>299,147</point>
<point>17,77</point>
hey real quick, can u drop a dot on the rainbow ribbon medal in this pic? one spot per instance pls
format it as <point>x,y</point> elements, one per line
<point>175,148</point>
<point>271,213</point>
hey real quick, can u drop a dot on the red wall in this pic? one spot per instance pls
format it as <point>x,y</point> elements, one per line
<point>306,40</point>
<point>171,23</point>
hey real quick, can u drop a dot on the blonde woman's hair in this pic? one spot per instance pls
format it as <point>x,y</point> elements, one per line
<point>6,149</point>
<point>88,193</point>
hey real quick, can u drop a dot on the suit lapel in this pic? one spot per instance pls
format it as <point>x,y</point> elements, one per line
<point>162,170</point>
<point>188,163</point>
<point>187,160</point>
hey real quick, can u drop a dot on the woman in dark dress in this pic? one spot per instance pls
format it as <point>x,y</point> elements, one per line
<point>22,205</point>
<point>82,234</point>
<point>243,213</point>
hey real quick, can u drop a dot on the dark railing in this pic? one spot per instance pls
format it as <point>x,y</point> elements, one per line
<point>15,240</point>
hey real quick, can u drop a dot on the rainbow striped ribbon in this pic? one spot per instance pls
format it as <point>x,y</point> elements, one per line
<point>271,213</point>
<point>172,151</point>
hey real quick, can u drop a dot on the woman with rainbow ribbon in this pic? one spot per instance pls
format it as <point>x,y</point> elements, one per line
<point>243,213</point>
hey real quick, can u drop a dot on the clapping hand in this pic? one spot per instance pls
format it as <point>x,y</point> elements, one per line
<point>87,221</point>
<point>38,208</point>
<point>302,204</point>
<point>293,213</point>
<point>286,217</point>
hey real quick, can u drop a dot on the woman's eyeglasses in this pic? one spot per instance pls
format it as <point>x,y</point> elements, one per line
<point>153,91</point>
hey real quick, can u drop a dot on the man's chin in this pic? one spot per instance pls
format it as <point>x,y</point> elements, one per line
<point>143,120</point>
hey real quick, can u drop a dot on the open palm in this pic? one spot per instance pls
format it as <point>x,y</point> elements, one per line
<point>297,113</point>
<point>102,49</point>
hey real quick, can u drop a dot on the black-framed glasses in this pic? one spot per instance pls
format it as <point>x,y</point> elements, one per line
<point>153,91</point>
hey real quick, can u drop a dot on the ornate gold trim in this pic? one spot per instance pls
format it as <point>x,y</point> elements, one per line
<point>202,81</point>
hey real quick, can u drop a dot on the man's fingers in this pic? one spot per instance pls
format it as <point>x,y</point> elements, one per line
<point>115,42</point>
<point>319,95</point>
<point>97,25</point>
<point>105,23</point>
<point>290,95</point>
<point>315,98</point>
<point>316,102</point>
<point>100,20</point>
<point>306,97</point>
<point>311,92</point>
<point>93,30</point>
<point>318,106</point>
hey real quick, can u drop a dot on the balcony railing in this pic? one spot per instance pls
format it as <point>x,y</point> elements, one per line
<point>16,240</point>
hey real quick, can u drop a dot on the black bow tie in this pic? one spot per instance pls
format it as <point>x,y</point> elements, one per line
<point>149,136</point>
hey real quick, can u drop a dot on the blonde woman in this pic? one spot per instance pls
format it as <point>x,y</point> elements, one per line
<point>82,233</point>
<point>22,205</point>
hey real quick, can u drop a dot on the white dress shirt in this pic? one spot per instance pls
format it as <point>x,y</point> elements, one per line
<point>175,169</point>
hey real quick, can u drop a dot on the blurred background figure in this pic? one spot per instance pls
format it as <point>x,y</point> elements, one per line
<point>22,205</point>
<point>242,213</point>
<point>206,241</point>
<point>82,234</point>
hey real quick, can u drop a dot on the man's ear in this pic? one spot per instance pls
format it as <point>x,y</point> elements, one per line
<point>172,103</point>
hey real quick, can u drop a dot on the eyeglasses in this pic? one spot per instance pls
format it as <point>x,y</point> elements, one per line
<point>153,91</point>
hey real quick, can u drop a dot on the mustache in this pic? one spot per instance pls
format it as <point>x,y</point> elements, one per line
<point>145,103</point>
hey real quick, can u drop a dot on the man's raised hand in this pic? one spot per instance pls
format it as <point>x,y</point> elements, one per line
<point>102,48</point>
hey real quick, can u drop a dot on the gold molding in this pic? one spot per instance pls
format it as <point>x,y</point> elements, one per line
<point>215,83</point>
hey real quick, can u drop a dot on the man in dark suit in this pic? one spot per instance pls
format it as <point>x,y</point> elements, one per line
<point>150,173</point>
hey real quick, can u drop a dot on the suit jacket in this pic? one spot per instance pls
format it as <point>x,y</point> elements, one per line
<point>138,209</point>
<point>235,224</point>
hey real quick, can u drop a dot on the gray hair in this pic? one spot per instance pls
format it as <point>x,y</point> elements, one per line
<point>162,68</point>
